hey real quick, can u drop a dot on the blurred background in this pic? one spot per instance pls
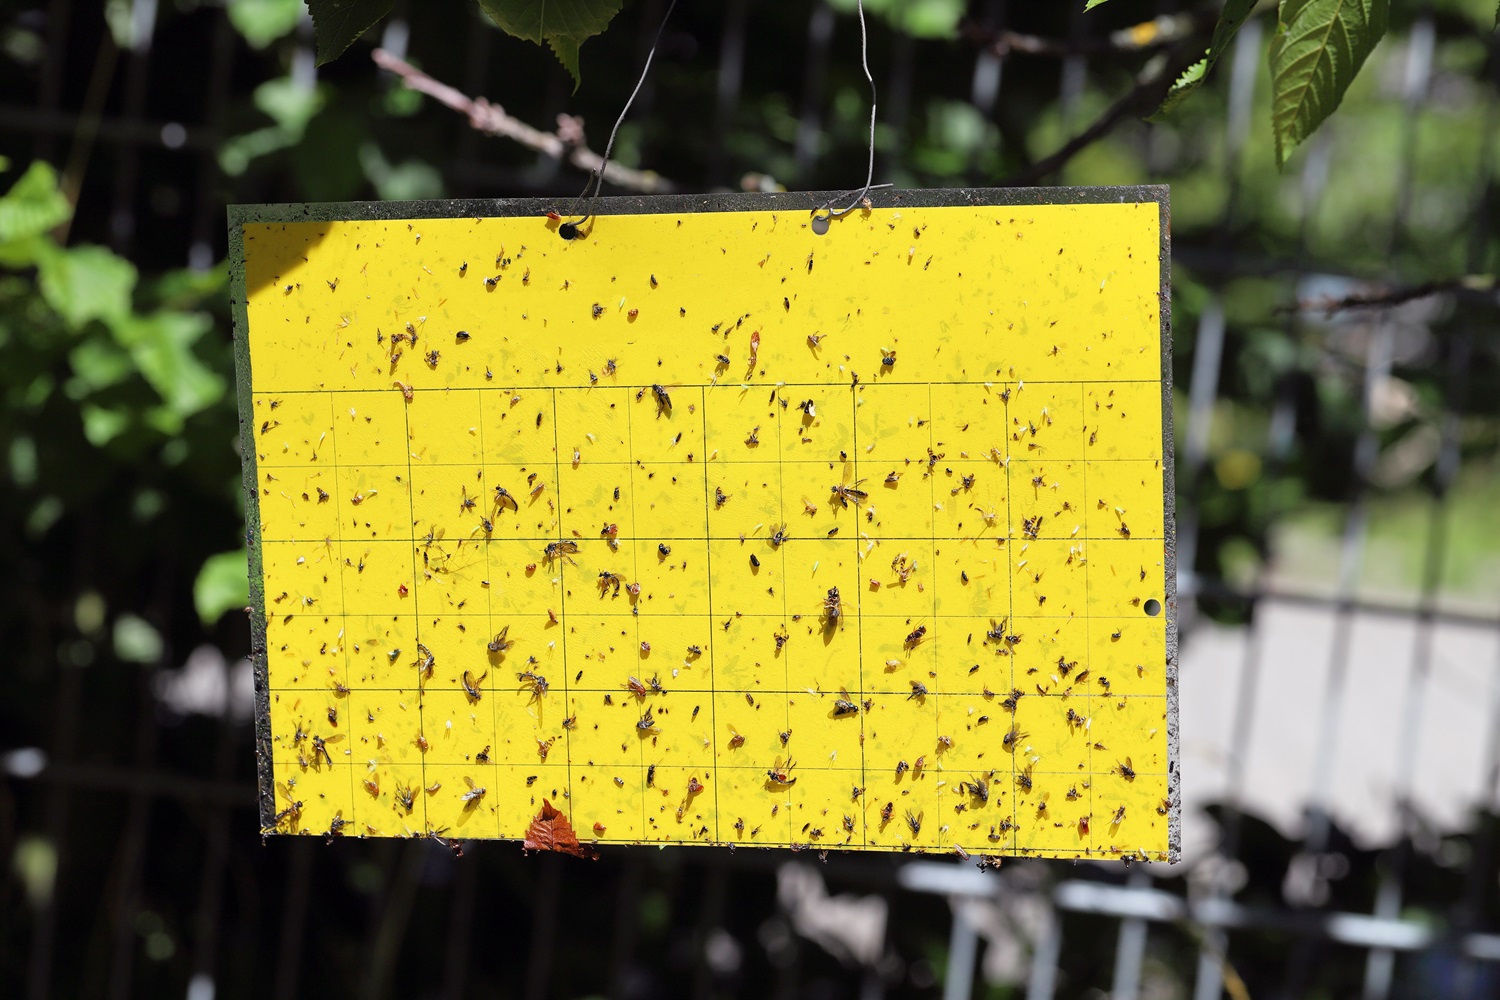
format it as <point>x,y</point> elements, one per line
<point>1337,411</point>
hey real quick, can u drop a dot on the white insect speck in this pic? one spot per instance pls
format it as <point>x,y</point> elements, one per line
<point>448,724</point>
<point>301,560</point>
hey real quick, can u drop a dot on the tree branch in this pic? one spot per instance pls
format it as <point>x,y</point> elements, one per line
<point>1140,37</point>
<point>491,119</point>
<point>1478,286</point>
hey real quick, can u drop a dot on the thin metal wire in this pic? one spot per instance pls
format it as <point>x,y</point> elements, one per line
<point>595,183</point>
<point>864,60</point>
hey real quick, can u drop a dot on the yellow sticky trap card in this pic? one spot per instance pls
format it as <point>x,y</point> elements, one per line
<point>705,528</point>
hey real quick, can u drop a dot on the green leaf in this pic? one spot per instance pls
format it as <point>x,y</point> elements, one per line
<point>1318,48</point>
<point>261,22</point>
<point>161,345</point>
<point>1234,15</point>
<point>99,363</point>
<point>1091,5</point>
<point>917,18</point>
<point>289,103</point>
<point>101,425</point>
<point>562,24</point>
<point>337,23</point>
<point>223,585</point>
<point>137,640</point>
<point>33,205</point>
<point>86,283</point>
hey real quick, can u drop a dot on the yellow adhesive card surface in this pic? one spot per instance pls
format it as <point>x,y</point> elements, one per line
<point>705,528</point>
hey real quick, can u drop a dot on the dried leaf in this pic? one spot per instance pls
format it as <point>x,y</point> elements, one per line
<point>551,831</point>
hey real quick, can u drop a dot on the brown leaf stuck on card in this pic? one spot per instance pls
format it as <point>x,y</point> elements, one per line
<point>551,831</point>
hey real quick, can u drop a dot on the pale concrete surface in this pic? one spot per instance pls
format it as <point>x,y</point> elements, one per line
<point>1454,724</point>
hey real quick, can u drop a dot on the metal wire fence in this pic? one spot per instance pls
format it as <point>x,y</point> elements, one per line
<point>158,883</point>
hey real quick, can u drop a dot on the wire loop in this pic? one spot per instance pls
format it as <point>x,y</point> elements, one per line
<point>570,229</point>
<point>820,223</point>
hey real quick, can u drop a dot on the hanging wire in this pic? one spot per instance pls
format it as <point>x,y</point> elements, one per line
<point>591,189</point>
<point>820,222</point>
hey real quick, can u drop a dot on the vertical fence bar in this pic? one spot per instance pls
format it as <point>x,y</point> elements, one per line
<point>122,221</point>
<point>207,218</point>
<point>815,72</point>
<point>460,924</point>
<point>731,78</point>
<point>1208,349</point>
<point>1378,364</point>
<point>65,738</point>
<point>544,927</point>
<point>1245,60</point>
<point>1041,984</point>
<point>896,100</point>
<point>216,855</point>
<point>1130,948</point>
<point>963,948</point>
<point>49,93</point>
<point>1380,963</point>
<point>298,894</point>
<point>1351,557</point>
<point>984,83</point>
<point>1380,966</point>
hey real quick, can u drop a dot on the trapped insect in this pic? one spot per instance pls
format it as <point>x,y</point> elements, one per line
<point>833,608</point>
<point>471,684</point>
<point>535,681</point>
<point>473,795</point>
<point>781,775</point>
<point>560,550</point>
<point>842,493</point>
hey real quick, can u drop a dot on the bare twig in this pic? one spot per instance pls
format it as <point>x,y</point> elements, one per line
<point>1147,35</point>
<point>1481,286</point>
<point>491,119</point>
